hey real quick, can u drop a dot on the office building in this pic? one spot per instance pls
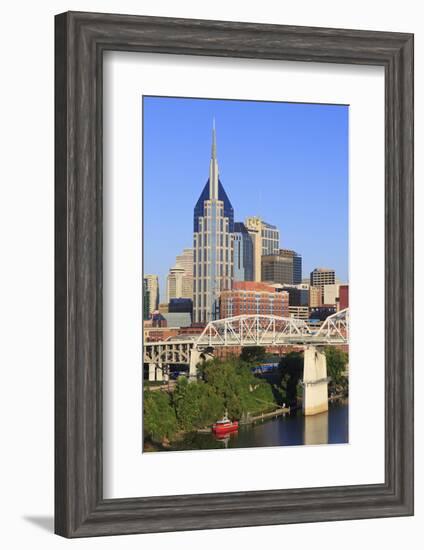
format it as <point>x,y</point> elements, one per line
<point>252,298</point>
<point>270,239</point>
<point>152,282</point>
<point>296,261</point>
<point>185,261</point>
<point>179,282</point>
<point>285,267</point>
<point>212,244</point>
<point>254,231</point>
<point>269,235</point>
<point>322,276</point>
<point>315,296</point>
<point>330,294</point>
<point>180,305</point>
<point>174,283</point>
<point>146,300</point>
<point>265,239</point>
<point>243,253</point>
<point>297,296</point>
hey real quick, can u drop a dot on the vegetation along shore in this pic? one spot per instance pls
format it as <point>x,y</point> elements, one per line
<point>231,386</point>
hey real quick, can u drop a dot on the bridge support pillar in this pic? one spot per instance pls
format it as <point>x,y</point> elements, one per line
<point>152,372</point>
<point>315,382</point>
<point>156,372</point>
<point>194,360</point>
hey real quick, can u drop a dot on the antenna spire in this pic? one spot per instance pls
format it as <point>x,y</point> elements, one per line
<point>213,139</point>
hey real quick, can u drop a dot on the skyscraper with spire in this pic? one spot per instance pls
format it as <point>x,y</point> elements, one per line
<point>212,244</point>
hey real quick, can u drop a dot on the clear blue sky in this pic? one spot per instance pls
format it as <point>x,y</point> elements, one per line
<point>284,162</point>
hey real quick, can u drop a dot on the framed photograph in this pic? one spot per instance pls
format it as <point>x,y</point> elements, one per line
<point>234,274</point>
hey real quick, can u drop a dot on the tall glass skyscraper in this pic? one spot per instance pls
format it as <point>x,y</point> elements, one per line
<point>243,253</point>
<point>212,244</point>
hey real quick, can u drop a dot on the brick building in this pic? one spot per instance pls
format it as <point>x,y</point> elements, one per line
<point>343,297</point>
<point>252,298</point>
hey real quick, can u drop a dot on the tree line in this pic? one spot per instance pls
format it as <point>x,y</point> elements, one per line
<point>229,386</point>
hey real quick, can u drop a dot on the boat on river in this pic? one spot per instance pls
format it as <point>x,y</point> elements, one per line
<point>225,426</point>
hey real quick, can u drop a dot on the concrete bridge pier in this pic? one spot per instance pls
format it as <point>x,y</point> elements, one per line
<point>315,382</point>
<point>159,372</point>
<point>155,372</point>
<point>195,358</point>
<point>316,429</point>
<point>152,372</point>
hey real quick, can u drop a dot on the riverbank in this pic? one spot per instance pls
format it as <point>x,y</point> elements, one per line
<point>292,428</point>
<point>249,419</point>
<point>228,386</point>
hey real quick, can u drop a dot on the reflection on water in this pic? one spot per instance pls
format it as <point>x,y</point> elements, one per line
<point>292,429</point>
<point>316,429</point>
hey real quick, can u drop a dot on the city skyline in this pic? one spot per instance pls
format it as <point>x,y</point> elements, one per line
<point>306,186</point>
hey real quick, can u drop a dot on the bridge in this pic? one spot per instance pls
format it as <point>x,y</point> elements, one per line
<point>256,330</point>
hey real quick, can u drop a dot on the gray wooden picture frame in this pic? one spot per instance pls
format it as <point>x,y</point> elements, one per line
<point>80,40</point>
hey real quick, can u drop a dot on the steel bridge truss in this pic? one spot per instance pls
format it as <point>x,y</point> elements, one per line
<point>251,330</point>
<point>335,328</point>
<point>269,330</point>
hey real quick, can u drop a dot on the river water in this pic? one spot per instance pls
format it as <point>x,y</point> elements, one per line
<point>291,429</point>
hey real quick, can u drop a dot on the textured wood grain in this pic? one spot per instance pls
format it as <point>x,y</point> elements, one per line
<point>80,41</point>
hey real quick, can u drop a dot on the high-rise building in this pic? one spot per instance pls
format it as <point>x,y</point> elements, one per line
<point>254,229</point>
<point>174,283</point>
<point>146,300</point>
<point>266,241</point>
<point>297,263</point>
<point>269,234</point>
<point>212,244</point>
<point>322,276</point>
<point>270,239</point>
<point>252,298</point>
<point>185,260</point>
<point>152,282</point>
<point>284,267</point>
<point>243,253</point>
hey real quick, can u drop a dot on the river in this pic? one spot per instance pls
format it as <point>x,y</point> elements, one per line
<point>291,429</point>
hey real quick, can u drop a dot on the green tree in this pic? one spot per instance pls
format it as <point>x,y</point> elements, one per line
<point>337,360</point>
<point>159,417</point>
<point>241,392</point>
<point>196,404</point>
<point>291,366</point>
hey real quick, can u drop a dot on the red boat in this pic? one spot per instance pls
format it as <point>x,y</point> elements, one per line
<point>224,426</point>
